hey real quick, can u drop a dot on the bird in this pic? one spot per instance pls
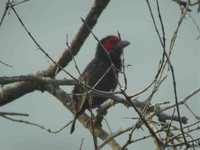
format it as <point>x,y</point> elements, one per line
<point>101,74</point>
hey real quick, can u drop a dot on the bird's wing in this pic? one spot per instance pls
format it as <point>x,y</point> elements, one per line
<point>99,74</point>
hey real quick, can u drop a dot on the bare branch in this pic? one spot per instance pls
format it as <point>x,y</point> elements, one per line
<point>13,114</point>
<point>4,13</point>
<point>183,100</point>
<point>32,78</point>
<point>81,144</point>
<point>5,64</point>
<point>33,124</point>
<point>195,23</point>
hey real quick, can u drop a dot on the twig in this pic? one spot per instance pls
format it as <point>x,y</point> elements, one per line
<point>50,131</point>
<point>115,134</point>
<point>182,100</point>
<point>81,145</point>
<point>168,130</point>
<point>197,117</point>
<point>123,67</point>
<point>154,22</point>
<point>74,60</point>
<point>34,124</point>
<point>4,13</point>
<point>195,23</point>
<point>143,90</point>
<point>15,4</point>
<point>162,25</point>
<point>194,3</point>
<point>91,121</point>
<point>13,114</point>
<point>110,130</point>
<point>5,64</point>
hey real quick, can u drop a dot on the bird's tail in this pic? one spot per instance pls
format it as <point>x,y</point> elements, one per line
<point>73,124</point>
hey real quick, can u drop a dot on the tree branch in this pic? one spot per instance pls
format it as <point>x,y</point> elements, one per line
<point>32,78</point>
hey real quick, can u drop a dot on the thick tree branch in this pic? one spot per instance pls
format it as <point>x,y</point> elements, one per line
<point>42,81</point>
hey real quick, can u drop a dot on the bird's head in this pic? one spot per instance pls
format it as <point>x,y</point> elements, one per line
<point>113,45</point>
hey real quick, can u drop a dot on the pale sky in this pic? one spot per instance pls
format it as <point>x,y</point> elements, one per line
<point>49,22</point>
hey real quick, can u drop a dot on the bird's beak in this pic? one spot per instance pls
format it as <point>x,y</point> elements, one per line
<point>122,44</point>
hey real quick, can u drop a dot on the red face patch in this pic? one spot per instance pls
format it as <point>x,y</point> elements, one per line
<point>109,43</point>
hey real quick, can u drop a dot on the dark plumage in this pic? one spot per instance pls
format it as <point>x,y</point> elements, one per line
<point>99,70</point>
